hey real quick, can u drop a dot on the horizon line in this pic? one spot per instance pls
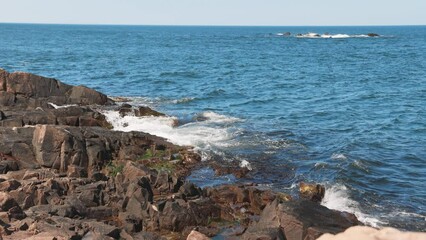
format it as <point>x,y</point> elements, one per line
<point>208,25</point>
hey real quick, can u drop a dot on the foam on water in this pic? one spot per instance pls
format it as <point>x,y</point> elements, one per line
<point>326,35</point>
<point>337,197</point>
<point>338,156</point>
<point>207,135</point>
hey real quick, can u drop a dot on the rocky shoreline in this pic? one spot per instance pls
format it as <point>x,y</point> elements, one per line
<point>65,174</point>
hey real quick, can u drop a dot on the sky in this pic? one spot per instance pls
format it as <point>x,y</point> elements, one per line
<point>216,12</point>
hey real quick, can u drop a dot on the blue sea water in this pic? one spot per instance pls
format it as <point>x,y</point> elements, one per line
<point>346,112</point>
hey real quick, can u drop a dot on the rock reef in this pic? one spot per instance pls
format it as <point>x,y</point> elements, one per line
<point>64,174</point>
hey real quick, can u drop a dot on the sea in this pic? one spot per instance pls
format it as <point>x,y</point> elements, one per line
<point>328,105</point>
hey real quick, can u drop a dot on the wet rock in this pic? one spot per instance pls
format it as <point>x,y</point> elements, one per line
<point>313,192</point>
<point>146,111</point>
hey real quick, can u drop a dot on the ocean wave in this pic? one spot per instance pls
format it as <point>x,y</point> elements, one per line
<point>145,101</point>
<point>337,197</point>
<point>338,36</point>
<point>205,136</point>
<point>338,156</point>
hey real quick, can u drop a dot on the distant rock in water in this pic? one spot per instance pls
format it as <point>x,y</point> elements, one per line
<point>373,35</point>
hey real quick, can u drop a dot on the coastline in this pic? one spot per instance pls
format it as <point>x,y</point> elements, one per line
<point>67,174</point>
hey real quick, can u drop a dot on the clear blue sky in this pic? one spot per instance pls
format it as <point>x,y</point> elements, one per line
<point>216,12</point>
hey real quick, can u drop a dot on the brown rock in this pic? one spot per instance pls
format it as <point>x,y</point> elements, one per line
<point>9,185</point>
<point>313,192</point>
<point>7,202</point>
<point>194,235</point>
<point>146,111</point>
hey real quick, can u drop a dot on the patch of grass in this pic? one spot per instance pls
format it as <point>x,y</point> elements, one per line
<point>162,166</point>
<point>114,169</point>
<point>153,154</point>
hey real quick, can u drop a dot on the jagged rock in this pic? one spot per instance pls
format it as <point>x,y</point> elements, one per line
<point>133,171</point>
<point>7,202</point>
<point>300,220</point>
<point>101,230</point>
<point>313,192</point>
<point>8,165</point>
<point>130,222</point>
<point>190,191</point>
<point>76,171</point>
<point>9,185</point>
<point>30,91</point>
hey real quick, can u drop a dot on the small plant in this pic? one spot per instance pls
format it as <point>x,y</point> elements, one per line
<point>114,168</point>
<point>151,154</point>
<point>162,166</point>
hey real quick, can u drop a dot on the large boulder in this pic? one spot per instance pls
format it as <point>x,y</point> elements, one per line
<point>27,90</point>
<point>299,220</point>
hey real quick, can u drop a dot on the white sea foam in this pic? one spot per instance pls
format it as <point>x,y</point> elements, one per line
<point>245,163</point>
<point>206,135</point>
<point>145,101</point>
<point>338,156</point>
<point>337,198</point>
<point>62,106</point>
<point>316,35</point>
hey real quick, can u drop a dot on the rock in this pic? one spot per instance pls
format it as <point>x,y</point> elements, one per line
<point>9,185</point>
<point>2,116</point>
<point>76,171</point>
<point>300,220</point>
<point>8,165</point>
<point>102,230</point>
<point>194,235</point>
<point>373,35</point>
<point>313,192</point>
<point>86,96</point>
<point>7,202</point>
<point>190,191</point>
<point>33,91</point>
<point>368,233</point>
<point>132,172</point>
<point>146,111</point>
<point>130,222</point>
<point>268,226</point>
<point>16,213</point>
